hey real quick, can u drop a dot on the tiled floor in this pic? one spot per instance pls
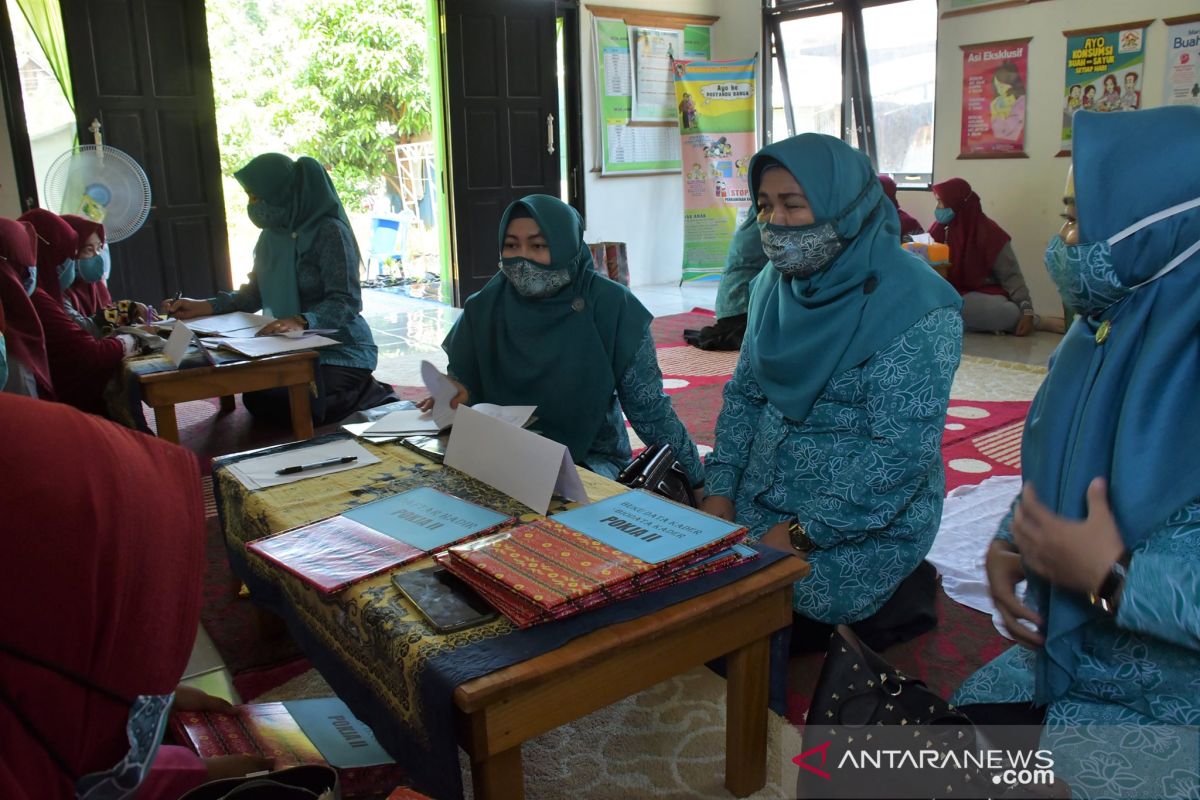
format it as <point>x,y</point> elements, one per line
<point>409,330</point>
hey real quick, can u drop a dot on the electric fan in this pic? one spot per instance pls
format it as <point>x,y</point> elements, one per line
<point>101,183</point>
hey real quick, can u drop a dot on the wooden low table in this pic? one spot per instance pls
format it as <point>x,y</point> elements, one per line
<point>500,711</point>
<point>293,371</point>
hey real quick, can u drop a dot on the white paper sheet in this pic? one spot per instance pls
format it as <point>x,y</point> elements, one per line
<point>306,332</point>
<point>359,429</point>
<point>513,415</point>
<point>235,323</point>
<point>405,421</point>
<point>258,346</point>
<point>178,343</point>
<point>527,467</point>
<point>443,391</point>
<point>259,473</point>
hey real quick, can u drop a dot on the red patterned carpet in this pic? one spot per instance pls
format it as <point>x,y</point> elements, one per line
<point>981,439</point>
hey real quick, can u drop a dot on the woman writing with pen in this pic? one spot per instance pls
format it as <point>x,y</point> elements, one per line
<point>305,275</point>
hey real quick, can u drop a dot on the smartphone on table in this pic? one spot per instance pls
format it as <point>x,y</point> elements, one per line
<point>446,602</point>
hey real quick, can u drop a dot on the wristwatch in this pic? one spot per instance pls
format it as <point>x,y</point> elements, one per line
<point>1108,597</point>
<point>798,537</point>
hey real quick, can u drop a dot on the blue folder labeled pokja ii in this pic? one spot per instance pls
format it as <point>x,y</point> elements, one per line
<point>646,526</point>
<point>425,518</point>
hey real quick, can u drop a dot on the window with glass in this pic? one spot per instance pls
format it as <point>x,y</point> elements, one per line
<point>862,70</point>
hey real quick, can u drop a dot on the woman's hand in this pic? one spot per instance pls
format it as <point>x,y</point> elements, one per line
<point>1025,326</point>
<point>461,396</point>
<point>285,325</point>
<point>189,698</point>
<point>187,308</point>
<point>1004,572</point>
<point>1070,554</point>
<point>778,537</point>
<point>143,313</point>
<point>718,506</point>
<point>236,766</point>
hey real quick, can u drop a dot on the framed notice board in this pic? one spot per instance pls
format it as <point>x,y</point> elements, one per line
<point>635,89</point>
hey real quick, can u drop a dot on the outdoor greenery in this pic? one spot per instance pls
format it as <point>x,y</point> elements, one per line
<point>340,80</point>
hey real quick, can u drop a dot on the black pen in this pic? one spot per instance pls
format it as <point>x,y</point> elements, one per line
<point>329,462</point>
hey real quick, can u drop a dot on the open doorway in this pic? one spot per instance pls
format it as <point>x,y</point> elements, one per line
<point>348,83</point>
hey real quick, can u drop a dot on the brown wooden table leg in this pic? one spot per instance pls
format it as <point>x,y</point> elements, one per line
<point>302,424</point>
<point>168,428</point>
<point>228,404</point>
<point>499,777</point>
<point>747,684</point>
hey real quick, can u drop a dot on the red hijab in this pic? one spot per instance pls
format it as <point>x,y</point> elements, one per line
<point>974,239</point>
<point>23,336</point>
<point>909,225</point>
<point>101,576</point>
<point>57,241</point>
<point>88,298</point>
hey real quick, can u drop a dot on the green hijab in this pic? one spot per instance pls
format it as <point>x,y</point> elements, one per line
<point>804,331</point>
<point>564,353</point>
<point>302,188</point>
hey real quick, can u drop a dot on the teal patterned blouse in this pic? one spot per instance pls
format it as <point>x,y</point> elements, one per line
<point>640,395</point>
<point>330,297</point>
<point>1141,668</point>
<point>863,473</point>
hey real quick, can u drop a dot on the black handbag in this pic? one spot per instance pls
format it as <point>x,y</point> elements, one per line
<point>863,703</point>
<point>656,470</point>
<point>305,782</point>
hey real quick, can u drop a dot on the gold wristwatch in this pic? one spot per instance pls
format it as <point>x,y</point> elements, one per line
<point>798,537</point>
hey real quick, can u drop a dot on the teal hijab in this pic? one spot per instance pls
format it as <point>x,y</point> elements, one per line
<point>804,331</point>
<point>1124,408</point>
<point>563,353</point>
<point>302,188</point>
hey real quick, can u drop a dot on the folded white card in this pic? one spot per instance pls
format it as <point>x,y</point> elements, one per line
<point>527,467</point>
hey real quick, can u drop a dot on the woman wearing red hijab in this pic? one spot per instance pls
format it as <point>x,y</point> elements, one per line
<point>909,225</point>
<point>983,268</point>
<point>80,364</point>
<point>89,293</point>
<point>100,596</point>
<point>28,368</point>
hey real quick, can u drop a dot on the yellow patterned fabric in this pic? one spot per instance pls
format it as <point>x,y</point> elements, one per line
<point>373,630</point>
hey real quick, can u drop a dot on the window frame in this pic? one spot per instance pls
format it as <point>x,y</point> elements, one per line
<point>857,102</point>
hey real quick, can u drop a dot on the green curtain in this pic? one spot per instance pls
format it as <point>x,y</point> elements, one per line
<point>45,18</point>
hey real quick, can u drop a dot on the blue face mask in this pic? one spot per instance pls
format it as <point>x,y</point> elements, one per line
<point>3,363</point>
<point>30,281</point>
<point>534,280</point>
<point>66,273</point>
<point>1085,274</point>
<point>943,215</point>
<point>801,250</point>
<point>91,269</point>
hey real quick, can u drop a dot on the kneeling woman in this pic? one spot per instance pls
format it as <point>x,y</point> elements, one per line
<point>305,276</point>
<point>549,331</point>
<point>829,438</point>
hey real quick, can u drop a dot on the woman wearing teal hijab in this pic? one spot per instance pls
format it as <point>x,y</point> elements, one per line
<point>305,276</point>
<point>548,330</point>
<point>1107,528</point>
<point>829,438</point>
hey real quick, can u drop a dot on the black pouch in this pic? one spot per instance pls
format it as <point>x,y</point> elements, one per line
<point>656,470</point>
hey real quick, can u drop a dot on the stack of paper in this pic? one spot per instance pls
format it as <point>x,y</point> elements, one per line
<point>258,346</point>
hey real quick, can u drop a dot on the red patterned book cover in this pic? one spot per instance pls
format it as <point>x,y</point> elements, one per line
<point>545,566</point>
<point>268,729</point>
<point>524,613</point>
<point>333,553</point>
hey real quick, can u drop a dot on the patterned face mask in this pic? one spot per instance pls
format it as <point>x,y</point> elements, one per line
<point>533,280</point>
<point>801,250</point>
<point>1085,275</point>
<point>264,215</point>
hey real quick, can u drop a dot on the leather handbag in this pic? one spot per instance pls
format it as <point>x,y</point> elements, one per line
<point>656,470</point>
<point>306,782</point>
<point>856,693</point>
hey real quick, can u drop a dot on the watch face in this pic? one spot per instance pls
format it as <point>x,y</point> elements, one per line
<point>799,539</point>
